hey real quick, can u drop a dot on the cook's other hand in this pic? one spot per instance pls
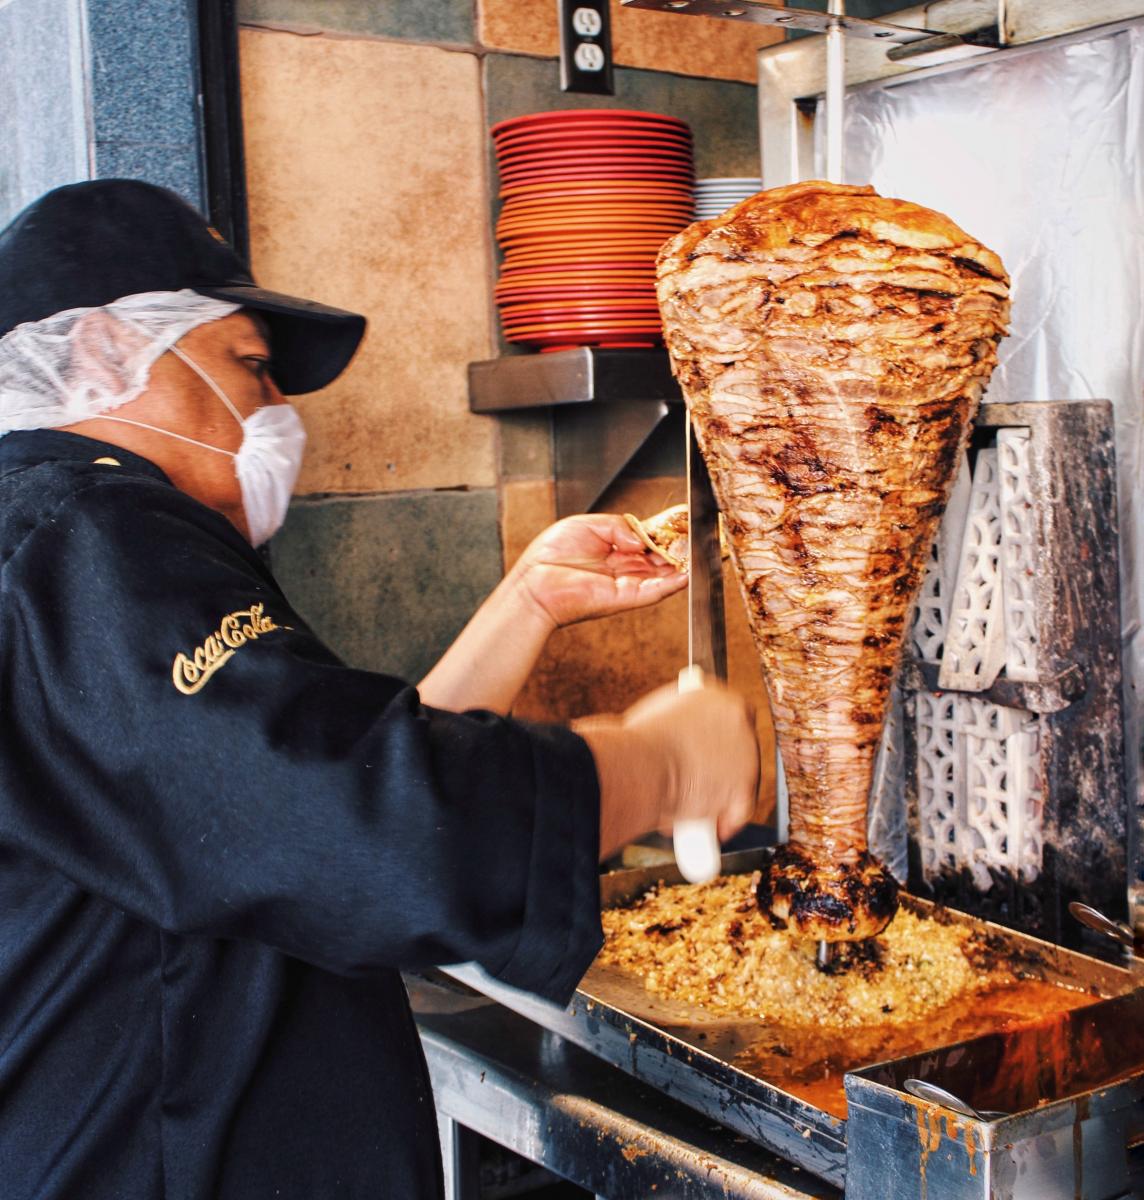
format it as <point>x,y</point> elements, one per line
<point>674,754</point>
<point>581,567</point>
<point>592,566</point>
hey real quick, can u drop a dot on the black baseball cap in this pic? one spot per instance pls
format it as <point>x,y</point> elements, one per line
<point>87,244</point>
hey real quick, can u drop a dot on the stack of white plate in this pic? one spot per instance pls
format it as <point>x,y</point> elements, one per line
<point>714,196</point>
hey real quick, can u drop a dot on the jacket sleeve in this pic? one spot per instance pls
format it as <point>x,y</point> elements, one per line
<point>177,742</point>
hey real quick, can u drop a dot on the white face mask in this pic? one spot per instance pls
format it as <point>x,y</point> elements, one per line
<point>267,462</point>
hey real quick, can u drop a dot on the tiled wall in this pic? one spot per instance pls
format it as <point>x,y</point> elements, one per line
<point>372,186</point>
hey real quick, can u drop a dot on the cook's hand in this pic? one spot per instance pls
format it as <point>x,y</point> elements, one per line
<point>578,568</point>
<point>674,754</point>
<point>591,566</point>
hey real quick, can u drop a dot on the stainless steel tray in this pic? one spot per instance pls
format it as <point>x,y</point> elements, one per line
<point>1067,1101</point>
<point>689,1054</point>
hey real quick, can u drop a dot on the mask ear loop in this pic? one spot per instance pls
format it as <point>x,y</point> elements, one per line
<point>214,387</point>
<point>167,432</point>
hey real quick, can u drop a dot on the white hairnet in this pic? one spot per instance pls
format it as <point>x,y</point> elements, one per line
<point>85,361</point>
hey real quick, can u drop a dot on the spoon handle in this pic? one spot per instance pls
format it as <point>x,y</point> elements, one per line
<point>1095,919</point>
<point>924,1090</point>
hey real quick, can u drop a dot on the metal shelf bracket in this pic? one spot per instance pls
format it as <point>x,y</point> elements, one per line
<point>605,405</point>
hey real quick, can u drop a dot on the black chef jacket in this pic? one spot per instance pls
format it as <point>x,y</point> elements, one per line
<point>217,843</point>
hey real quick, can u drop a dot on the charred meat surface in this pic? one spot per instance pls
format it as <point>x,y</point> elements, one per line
<point>833,346</point>
<point>848,900</point>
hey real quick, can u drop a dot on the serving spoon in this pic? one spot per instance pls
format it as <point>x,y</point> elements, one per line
<point>924,1090</point>
<point>1095,919</point>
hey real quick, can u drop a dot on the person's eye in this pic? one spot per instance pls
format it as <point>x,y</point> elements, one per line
<point>258,364</point>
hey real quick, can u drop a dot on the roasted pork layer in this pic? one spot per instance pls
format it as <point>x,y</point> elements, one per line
<point>833,346</point>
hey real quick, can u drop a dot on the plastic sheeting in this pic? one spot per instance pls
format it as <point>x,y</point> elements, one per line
<point>1039,155</point>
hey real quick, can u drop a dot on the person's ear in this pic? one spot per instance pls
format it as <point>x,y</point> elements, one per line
<point>103,358</point>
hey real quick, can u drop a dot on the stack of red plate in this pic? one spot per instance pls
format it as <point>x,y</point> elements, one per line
<point>590,195</point>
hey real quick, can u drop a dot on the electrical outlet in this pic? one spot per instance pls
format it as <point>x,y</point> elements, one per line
<point>585,47</point>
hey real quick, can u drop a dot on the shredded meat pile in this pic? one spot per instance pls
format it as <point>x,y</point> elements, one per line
<point>708,944</point>
<point>832,346</point>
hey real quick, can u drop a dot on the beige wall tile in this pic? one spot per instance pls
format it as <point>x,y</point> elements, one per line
<point>527,506</point>
<point>603,666</point>
<point>655,41</point>
<point>366,166</point>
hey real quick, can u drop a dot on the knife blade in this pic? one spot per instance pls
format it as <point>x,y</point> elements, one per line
<point>695,841</point>
<point>706,635</point>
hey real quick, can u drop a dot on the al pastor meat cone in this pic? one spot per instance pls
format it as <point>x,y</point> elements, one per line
<point>832,346</point>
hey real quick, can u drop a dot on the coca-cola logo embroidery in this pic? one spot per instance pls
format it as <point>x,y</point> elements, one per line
<point>190,672</point>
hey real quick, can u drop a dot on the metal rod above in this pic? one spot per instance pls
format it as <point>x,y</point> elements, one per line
<point>918,46</point>
<point>761,13</point>
<point>835,91</point>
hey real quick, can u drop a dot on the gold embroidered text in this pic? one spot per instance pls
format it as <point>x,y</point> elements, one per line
<point>191,672</point>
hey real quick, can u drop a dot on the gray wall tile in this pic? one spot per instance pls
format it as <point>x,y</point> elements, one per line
<point>43,127</point>
<point>176,167</point>
<point>723,116</point>
<point>389,581</point>
<point>144,92</point>
<point>143,80</point>
<point>449,21</point>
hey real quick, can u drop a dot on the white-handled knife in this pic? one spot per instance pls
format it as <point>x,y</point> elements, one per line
<point>696,842</point>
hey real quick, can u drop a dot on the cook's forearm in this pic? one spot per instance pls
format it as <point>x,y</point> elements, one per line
<point>492,656</point>
<point>633,783</point>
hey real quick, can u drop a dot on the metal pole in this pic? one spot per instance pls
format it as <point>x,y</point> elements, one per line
<point>835,91</point>
<point>835,116</point>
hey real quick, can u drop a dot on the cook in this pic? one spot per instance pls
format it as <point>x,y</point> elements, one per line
<point>218,843</point>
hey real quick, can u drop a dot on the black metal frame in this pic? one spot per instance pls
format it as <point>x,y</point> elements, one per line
<point>223,157</point>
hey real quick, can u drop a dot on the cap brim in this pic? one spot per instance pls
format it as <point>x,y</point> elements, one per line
<point>312,343</point>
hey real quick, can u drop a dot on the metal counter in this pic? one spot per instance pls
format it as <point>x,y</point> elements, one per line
<point>497,1074</point>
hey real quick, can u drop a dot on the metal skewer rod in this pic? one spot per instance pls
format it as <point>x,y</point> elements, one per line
<point>835,90</point>
<point>835,117</point>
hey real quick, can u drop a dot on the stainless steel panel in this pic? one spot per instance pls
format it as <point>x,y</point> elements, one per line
<point>605,405</point>
<point>522,1087</point>
<point>759,12</point>
<point>593,444</point>
<point>1064,1138</point>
